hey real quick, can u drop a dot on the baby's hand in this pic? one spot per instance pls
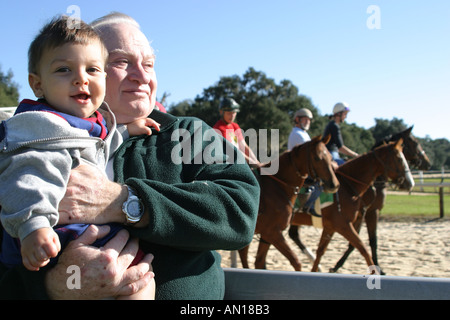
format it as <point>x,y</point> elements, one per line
<point>38,247</point>
<point>142,126</point>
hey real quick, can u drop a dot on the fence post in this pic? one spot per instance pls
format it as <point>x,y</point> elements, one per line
<point>441,202</point>
<point>421,180</point>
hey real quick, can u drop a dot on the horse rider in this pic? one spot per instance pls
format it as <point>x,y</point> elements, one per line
<point>231,131</point>
<point>336,144</point>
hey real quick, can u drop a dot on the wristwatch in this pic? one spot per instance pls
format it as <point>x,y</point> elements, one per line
<point>133,207</point>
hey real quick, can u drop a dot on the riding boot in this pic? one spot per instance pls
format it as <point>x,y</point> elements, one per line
<point>312,212</point>
<point>314,194</point>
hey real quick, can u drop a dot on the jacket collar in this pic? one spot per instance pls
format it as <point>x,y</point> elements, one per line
<point>164,119</point>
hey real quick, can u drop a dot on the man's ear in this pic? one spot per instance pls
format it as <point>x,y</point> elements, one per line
<point>36,85</point>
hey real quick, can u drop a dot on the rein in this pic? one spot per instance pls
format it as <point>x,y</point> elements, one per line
<point>358,195</point>
<point>364,184</point>
<point>296,189</point>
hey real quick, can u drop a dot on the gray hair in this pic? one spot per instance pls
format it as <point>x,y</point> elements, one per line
<point>113,18</point>
<point>101,24</point>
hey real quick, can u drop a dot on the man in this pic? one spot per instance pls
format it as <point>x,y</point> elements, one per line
<point>302,122</point>
<point>299,135</point>
<point>183,213</point>
<point>231,131</point>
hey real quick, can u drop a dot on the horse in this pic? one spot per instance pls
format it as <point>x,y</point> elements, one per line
<point>279,192</point>
<point>356,178</point>
<point>417,158</point>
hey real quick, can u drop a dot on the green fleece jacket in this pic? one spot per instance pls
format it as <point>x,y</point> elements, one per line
<point>200,196</point>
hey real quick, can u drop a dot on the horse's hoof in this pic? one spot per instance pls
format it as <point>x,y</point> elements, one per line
<point>332,270</point>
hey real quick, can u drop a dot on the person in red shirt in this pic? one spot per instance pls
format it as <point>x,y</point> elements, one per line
<point>231,131</point>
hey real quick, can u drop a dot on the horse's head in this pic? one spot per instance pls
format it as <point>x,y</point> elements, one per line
<point>321,164</point>
<point>413,151</point>
<point>395,165</point>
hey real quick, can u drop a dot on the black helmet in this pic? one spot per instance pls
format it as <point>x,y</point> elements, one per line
<point>228,104</point>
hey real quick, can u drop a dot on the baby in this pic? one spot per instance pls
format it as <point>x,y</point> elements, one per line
<point>69,124</point>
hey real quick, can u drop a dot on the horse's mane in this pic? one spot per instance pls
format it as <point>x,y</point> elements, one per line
<point>350,164</point>
<point>353,162</point>
<point>394,137</point>
<point>287,152</point>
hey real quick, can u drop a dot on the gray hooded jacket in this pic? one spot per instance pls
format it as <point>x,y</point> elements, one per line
<point>36,157</point>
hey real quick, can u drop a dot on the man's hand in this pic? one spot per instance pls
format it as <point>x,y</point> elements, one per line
<point>92,198</point>
<point>104,271</point>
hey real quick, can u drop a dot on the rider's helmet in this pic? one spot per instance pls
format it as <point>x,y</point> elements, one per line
<point>303,113</point>
<point>340,107</point>
<point>229,104</point>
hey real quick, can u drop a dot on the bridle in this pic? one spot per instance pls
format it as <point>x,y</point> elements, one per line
<point>403,171</point>
<point>386,167</point>
<point>416,160</point>
<point>302,177</point>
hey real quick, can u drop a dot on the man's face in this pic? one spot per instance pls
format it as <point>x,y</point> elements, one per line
<point>304,123</point>
<point>131,80</point>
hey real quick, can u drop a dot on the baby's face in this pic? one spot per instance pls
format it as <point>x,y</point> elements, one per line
<point>72,78</point>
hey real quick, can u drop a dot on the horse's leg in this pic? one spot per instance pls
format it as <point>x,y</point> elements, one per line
<point>261,254</point>
<point>294,234</point>
<point>323,244</point>
<point>350,248</point>
<point>281,244</point>
<point>301,218</point>
<point>372,223</point>
<point>351,235</point>
<point>243,254</point>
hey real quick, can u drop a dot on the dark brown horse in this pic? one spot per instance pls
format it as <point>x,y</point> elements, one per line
<point>356,178</point>
<point>279,192</point>
<point>416,158</point>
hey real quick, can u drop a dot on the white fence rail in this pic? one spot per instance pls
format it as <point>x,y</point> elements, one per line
<point>246,284</point>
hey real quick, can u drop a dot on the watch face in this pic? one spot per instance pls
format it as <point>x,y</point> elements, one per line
<point>134,209</point>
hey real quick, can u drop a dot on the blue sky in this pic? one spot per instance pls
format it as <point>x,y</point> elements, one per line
<point>393,61</point>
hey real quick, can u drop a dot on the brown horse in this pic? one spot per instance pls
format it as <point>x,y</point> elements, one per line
<point>279,192</point>
<point>417,158</point>
<point>356,178</point>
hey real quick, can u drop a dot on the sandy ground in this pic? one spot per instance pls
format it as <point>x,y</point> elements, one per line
<point>418,248</point>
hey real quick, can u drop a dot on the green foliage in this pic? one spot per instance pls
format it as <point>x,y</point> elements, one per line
<point>9,92</point>
<point>438,151</point>
<point>384,128</point>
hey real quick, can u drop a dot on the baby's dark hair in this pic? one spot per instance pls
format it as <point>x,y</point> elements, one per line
<point>59,31</point>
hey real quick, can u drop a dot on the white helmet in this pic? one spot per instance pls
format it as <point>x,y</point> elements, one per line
<point>303,113</point>
<point>340,107</point>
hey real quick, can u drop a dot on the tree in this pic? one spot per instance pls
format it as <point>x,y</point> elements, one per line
<point>438,151</point>
<point>264,103</point>
<point>356,138</point>
<point>384,128</point>
<point>9,91</point>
